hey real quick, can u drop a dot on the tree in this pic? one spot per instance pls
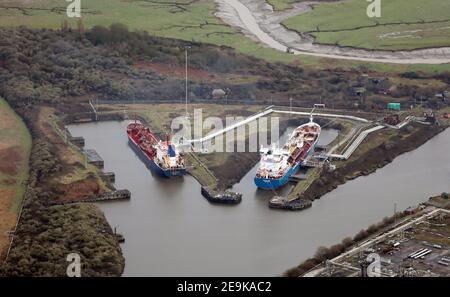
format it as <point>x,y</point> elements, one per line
<point>410,74</point>
<point>321,253</point>
<point>119,32</point>
<point>99,35</point>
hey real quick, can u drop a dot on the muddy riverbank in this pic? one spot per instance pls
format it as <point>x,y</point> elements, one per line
<point>258,20</point>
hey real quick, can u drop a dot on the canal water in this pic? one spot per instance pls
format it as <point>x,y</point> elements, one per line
<point>171,230</point>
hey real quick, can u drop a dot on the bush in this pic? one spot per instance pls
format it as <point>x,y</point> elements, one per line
<point>410,74</point>
<point>62,230</point>
<point>321,253</point>
<point>360,235</point>
<point>348,241</point>
<point>324,253</point>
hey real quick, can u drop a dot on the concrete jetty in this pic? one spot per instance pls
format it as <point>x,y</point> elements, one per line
<point>225,197</point>
<point>279,202</point>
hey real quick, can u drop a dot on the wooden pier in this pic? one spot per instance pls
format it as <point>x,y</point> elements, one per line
<point>279,202</point>
<point>320,148</point>
<point>225,197</point>
<point>108,196</point>
<point>109,176</point>
<point>94,158</point>
<point>114,195</point>
<point>295,178</point>
<point>77,141</point>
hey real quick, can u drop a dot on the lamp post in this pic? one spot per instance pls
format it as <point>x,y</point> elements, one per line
<point>290,106</point>
<point>186,72</point>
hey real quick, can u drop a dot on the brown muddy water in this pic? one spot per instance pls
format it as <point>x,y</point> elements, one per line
<point>171,230</point>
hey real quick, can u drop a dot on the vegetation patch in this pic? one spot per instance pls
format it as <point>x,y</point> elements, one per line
<point>46,237</point>
<point>46,234</point>
<point>326,253</point>
<point>193,21</point>
<point>69,67</point>
<point>403,25</point>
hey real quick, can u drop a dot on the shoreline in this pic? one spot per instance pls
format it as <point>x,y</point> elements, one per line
<point>36,200</point>
<point>315,265</point>
<point>376,158</point>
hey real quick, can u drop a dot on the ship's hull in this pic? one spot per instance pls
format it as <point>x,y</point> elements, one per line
<point>152,165</point>
<point>273,184</point>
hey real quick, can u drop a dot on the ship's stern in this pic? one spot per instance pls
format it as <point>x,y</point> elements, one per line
<point>175,172</point>
<point>268,183</point>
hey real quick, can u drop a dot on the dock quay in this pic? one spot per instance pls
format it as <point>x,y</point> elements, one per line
<point>94,158</point>
<point>78,141</point>
<point>114,195</point>
<point>313,162</point>
<point>108,196</point>
<point>298,177</point>
<point>279,202</point>
<point>320,148</point>
<point>119,237</point>
<point>225,197</point>
<point>108,176</point>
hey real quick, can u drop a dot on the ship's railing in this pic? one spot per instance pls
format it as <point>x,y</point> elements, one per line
<point>355,143</point>
<point>323,115</point>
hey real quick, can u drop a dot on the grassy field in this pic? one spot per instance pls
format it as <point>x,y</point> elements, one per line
<point>15,146</point>
<point>191,21</point>
<point>281,4</point>
<point>404,24</point>
<point>177,19</point>
<point>14,138</point>
<point>167,18</point>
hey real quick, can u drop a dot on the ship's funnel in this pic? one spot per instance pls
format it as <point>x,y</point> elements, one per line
<point>172,150</point>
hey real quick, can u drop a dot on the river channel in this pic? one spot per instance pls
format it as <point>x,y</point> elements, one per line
<point>171,230</point>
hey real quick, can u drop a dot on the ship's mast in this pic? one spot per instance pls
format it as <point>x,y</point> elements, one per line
<point>134,107</point>
<point>186,78</point>
<point>311,115</point>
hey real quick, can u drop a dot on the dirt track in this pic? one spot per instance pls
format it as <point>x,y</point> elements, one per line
<point>257,20</point>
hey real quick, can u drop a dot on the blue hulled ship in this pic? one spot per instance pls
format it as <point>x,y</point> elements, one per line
<point>279,163</point>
